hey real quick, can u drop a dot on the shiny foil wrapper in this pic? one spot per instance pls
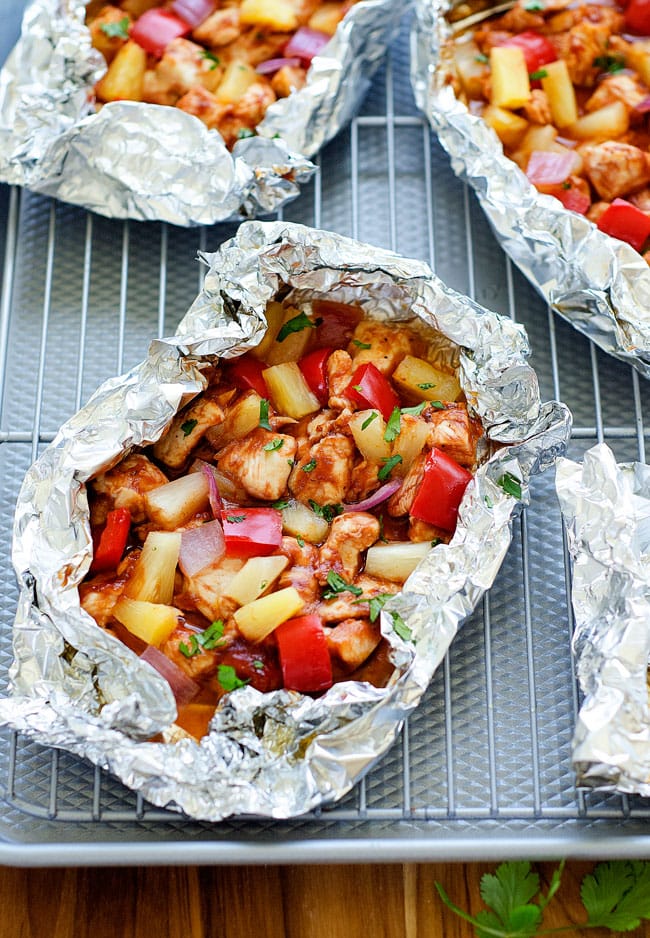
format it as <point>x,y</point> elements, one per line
<point>606,508</point>
<point>279,754</point>
<point>149,162</point>
<point>598,284</point>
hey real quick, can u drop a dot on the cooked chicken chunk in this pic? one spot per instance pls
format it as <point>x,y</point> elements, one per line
<point>186,430</point>
<point>347,605</point>
<point>288,79</point>
<point>106,40</point>
<point>400,503</point>
<point>219,29</point>
<point>350,534</point>
<point>99,595</point>
<point>203,662</point>
<point>300,572</point>
<point>353,641</point>
<point>124,486</point>
<point>246,113</point>
<point>582,46</point>
<point>454,432</point>
<point>183,66</point>
<point>626,88</point>
<point>260,462</point>
<point>537,110</point>
<point>325,476</point>
<point>254,46</point>
<point>205,590</point>
<point>420,531</point>
<point>616,169</point>
<point>339,372</point>
<point>388,345</point>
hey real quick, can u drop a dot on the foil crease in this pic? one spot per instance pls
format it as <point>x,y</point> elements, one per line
<point>150,162</point>
<point>278,754</point>
<point>598,284</point>
<point>606,508</point>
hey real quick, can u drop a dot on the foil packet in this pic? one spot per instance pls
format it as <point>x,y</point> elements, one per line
<point>278,754</point>
<point>606,508</point>
<point>598,284</point>
<point>149,162</point>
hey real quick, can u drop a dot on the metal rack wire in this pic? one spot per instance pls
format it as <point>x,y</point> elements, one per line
<point>483,768</point>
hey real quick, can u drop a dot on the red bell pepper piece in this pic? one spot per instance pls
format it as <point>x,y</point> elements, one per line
<point>571,197</point>
<point>369,388</point>
<point>156,28</point>
<point>304,658</point>
<point>441,491</point>
<point>637,17</point>
<point>248,373</point>
<point>537,49</point>
<point>314,372</point>
<point>626,222</point>
<point>251,532</point>
<point>112,541</point>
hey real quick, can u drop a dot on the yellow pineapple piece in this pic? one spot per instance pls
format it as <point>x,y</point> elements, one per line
<point>510,82</point>
<point>560,92</point>
<point>151,622</point>
<point>509,127</point>
<point>257,619</point>
<point>278,15</point>
<point>237,79</point>
<point>289,392</point>
<point>124,77</point>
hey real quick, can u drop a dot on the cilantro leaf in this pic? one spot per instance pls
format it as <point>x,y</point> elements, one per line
<point>118,30</point>
<point>235,519</point>
<point>280,504</point>
<point>310,466</point>
<point>328,512</point>
<point>212,58</point>
<point>617,895</point>
<point>245,132</point>
<point>508,893</point>
<point>415,411</point>
<point>393,426</point>
<point>212,637</point>
<point>400,627</point>
<point>368,420</point>
<point>338,585</point>
<point>389,465</point>
<point>510,484</point>
<point>273,445</point>
<point>427,385</point>
<point>376,604</point>
<point>190,650</point>
<point>227,677</point>
<point>297,324</point>
<point>538,75</point>
<point>188,426</point>
<point>360,344</point>
<point>264,415</point>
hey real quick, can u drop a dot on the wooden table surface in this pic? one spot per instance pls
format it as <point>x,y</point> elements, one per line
<point>379,901</point>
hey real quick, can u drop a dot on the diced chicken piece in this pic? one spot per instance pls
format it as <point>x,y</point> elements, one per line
<point>400,503</point>
<point>641,200</point>
<point>304,9</point>
<point>581,46</point>
<point>350,534</point>
<point>364,480</point>
<point>205,590</point>
<point>420,531</point>
<point>185,431</point>
<point>183,66</point>
<point>245,114</point>
<point>99,595</point>
<point>197,665</point>
<point>349,606</point>
<point>260,462</point>
<point>300,572</point>
<point>537,110</point>
<point>339,372</point>
<point>255,45</point>
<point>488,35</point>
<point>626,88</point>
<point>616,169</point>
<point>353,641</point>
<point>101,34</point>
<point>202,104</point>
<point>125,485</point>
<point>388,345</point>
<point>323,474</point>
<point>454,432</point>
<point>219,29</point>
<point>596,209</point>
<point>288,79</point>
<point>519,19</point>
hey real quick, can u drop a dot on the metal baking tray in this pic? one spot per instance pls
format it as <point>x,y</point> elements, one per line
<point>482,770</point>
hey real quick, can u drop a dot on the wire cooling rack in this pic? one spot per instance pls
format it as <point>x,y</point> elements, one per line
<point>483,768</point>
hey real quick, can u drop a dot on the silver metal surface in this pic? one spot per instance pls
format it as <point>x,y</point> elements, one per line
<point>483,768</point>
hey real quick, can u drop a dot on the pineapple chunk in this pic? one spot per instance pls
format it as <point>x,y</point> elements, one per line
<point>419,380</point>
<point>173,504</point>
<point>123,79</point>
<point>410,441</point>
<point>395,561</point>
<point>300,521</point>
<point>471,68</point>
<point>278,15</point>
<point>637,56</point>
<point>237,79</point>
<point>243,417</point>
<point>370,438</point>
<point>255,578</point>
<point>510,82</point>
<point>607,123</point>
<point>509,127</point>
<point>290,393</point>
<point>560,93</point>
<point>293,346</point>
<point>153,575</point>
<point>327,17</point>
<point>151,622</point>
<point>257,619</point>
<point>274,318</point>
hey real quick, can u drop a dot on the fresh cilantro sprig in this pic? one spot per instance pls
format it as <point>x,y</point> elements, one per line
<point>117,30</point>
<point>616,896</point>
<point>297,324</point>
<point>337,585</point>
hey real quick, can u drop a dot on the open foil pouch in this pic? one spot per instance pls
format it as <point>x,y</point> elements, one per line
<point>597,283</point>
<point>606,508</point>
<point>278,754</point>
<point>153,162</point>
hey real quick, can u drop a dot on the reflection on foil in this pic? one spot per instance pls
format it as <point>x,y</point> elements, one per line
<point>151,162</point>
<point>277,754</point>
<point>606,508</point>
<point>598,284</point>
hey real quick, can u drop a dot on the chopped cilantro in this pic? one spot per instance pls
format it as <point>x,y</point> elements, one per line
<point>212,637</point>
<point>566,185</point>
<point>264,584</point>
<point>192,649</point>
<point>539,74</point>
<point>488,502</point>
<point>235,519</point>
<point>273,445</point>
<point>118,30</point>
<point>258,665</point>
<point>297,324</point>
<point>357,388</point>
<point>400,627</point>
<point>227,677</point>
<point>533,6</point>
<point>393,426</point>
<point>609,63</point>
<point>264,415</point>
<point>427,385</point>
<point>328,512</point>
<point>437,404</point>
<point>212,58</point>
<point>338,585</point>
<point>510,484</point>
<point>377,603</point>
<point>389,465</point>
<point>244,132</point>
<point>415,411</point>
<point>310,466</point>
<point>435,541</point>
<point>368,420</point>
<point>280,504</point>
<point>300,540</point>
<point>483,59</point>
<point>188,426</point>
<point>360,344</point>
<point>291,463</point>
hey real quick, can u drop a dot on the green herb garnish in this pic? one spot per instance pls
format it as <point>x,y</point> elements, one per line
<point>258,665</point>
<point>310,466</point>
<point>212,58</point>
<point>437,404</point>
<point>338,585</point>
<point>273,445</point>
<point>227,677</point>
<point>393,426</point>
<point>360,344</point>
<point>192,649</point>
<point>264,415</point>
<point>235,519</point>
<point>427,385</point>
<point>400,627</point>
<point>377,603</point>
<point>534,6</point>
<point>188,426</point>
<point>328,512</point>
<point>415,411</point>
<point>389,465</point>
<point>118,30</point>
<point>483,59</point>
<point>297,324</point>
<point>538,75</point>
<point>510,485</point>
<point>609,63</point>
<point>280,504</point>
<point>368,420</point>
<point>300,540</point>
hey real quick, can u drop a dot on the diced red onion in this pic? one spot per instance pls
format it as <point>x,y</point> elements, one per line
<point>201,546</point>
<point>216,502</point>
<point>377,497</point>
<point>643,107</point>
<point>183,687</point>
<point>194,11</point>
<point>274,65</point>
<point>547,168</point>
<point>306,43</point>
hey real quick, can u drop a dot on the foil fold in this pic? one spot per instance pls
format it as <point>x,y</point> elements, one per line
<point>606,509</point>
<point>279,754</point>
<point>598,284</point>
<point>150,162</point>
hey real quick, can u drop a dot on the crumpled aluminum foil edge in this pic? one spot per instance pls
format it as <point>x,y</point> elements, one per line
<point>606,509</point>
<point>278,754</point>
<point>598,284</point>
<point>149,162</point>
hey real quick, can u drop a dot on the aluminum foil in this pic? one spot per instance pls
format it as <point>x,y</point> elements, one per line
<point>150,162</point>
<point>606,508</point>
<point>598,284</point>
<point>279,754</point>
